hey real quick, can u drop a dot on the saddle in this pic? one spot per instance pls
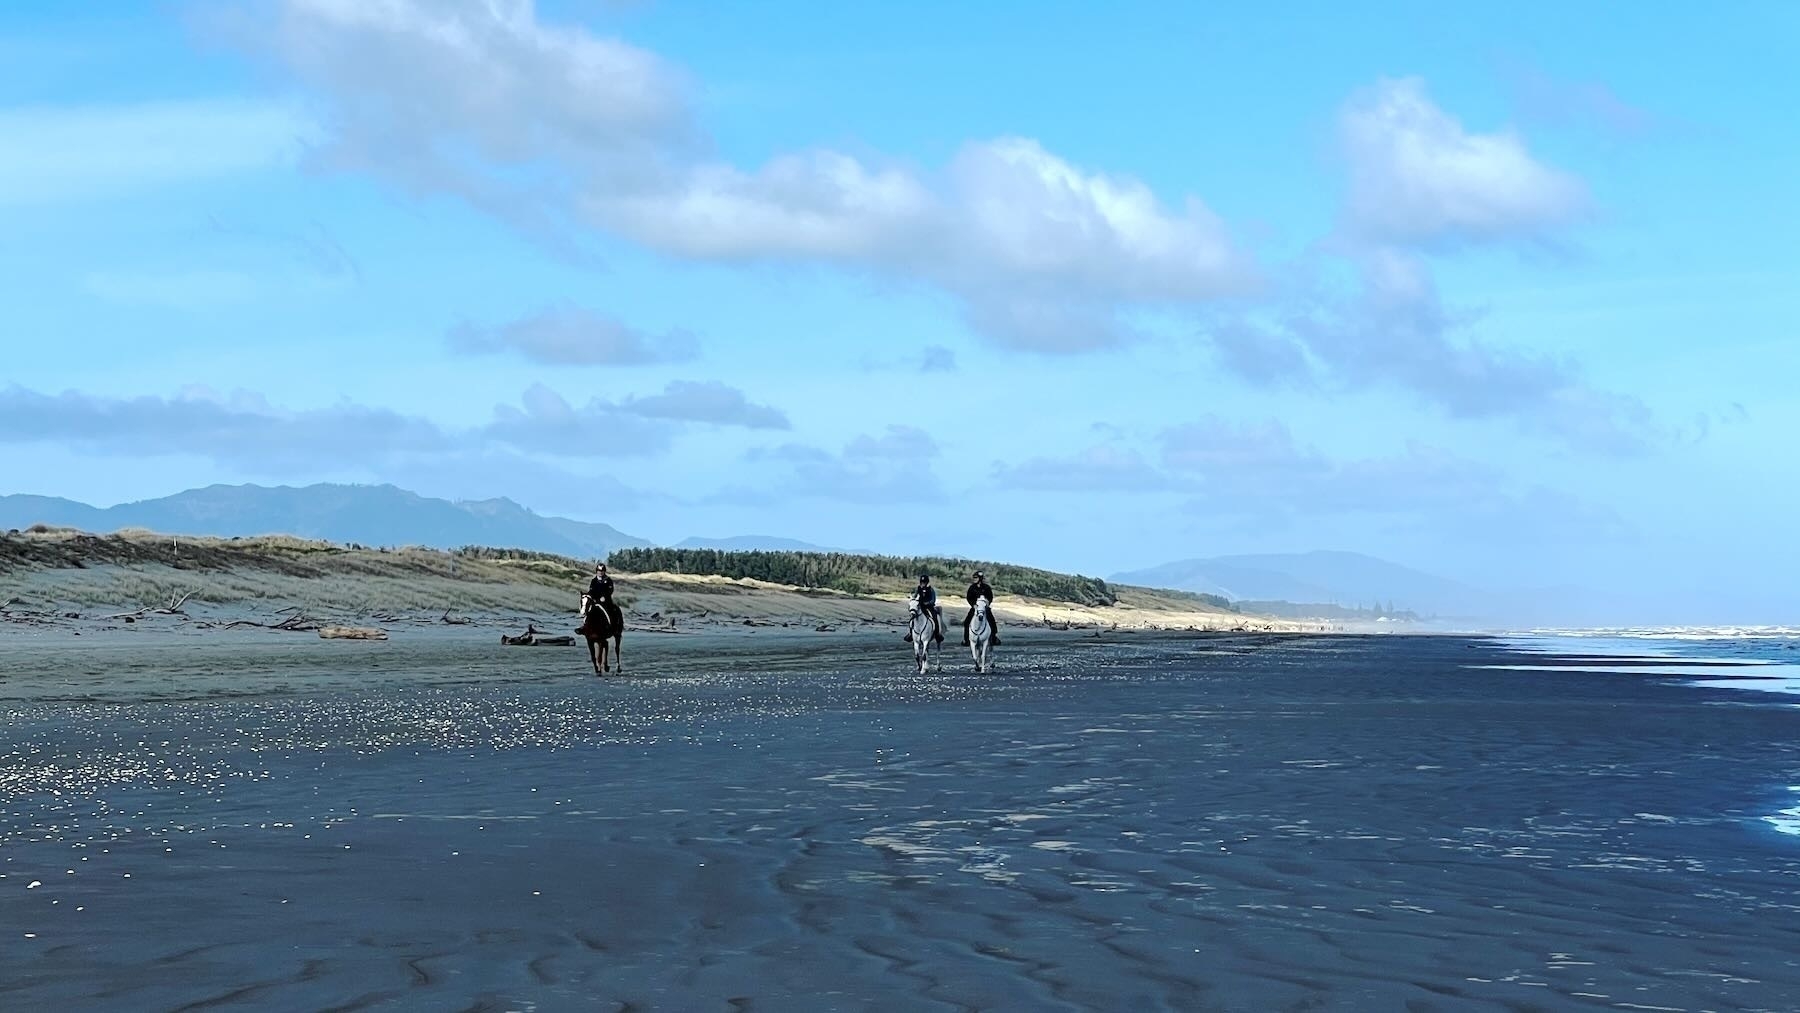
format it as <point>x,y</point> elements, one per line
<point>600,621</point>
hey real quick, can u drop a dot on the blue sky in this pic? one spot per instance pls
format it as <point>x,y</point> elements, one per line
<point>1506,293</point>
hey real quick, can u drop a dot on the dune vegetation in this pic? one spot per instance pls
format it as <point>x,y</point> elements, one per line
<point>45,569</point>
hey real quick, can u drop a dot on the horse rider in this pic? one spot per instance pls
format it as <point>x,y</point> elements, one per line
<point>600,595</point>
<point>927,597</point>
<point>979,588</point>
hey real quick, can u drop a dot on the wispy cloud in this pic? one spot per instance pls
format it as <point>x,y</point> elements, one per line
<point>1228,469</point>
<point>246,430</point>
<point>572,336</point>
<point>1259,469</point>
<point>1101,468</point>
<point>242,428</point>
<point>711,402</point>
<point>937,359</point>
<point>1544,99</point>
<point>893,466</point>
<point>545,422</point>
<point>1388,328</point>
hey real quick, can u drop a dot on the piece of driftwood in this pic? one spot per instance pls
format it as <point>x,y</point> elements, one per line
<point>295,623</point>
<point>352,633</point>
<point>534,637</point>
<point>451,620</point>
<point>171,609</point>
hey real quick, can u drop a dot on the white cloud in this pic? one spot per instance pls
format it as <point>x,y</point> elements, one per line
<point>815,205</point>
<point>481,73</point>
<point>1418,180</point>
<point>1417,176</point>
<point>556,129</point>
<point>51,154</point>
<point>1025,216</point>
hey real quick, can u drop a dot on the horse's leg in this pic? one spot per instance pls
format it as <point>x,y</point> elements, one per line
<point>593,655</point>
<point>619,651</point>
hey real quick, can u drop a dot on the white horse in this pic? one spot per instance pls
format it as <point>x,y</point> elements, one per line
<point>923,636</point>
<point>981,637</point>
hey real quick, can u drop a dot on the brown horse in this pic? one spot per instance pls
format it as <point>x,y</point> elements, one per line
<point>598,627</point>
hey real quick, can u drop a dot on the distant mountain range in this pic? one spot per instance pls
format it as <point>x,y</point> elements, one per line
<point>364,514</point>
<point>386,515</point>
<point>1347,579</point>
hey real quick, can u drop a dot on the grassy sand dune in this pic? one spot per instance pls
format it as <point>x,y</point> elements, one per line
<point>45,573</point>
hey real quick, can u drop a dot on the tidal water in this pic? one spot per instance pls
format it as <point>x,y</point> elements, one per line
<point>1200,822</point>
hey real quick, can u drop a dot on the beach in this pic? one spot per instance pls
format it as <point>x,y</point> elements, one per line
<point>770,818</point>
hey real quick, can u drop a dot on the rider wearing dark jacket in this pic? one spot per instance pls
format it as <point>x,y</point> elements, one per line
<point>927,596</point>
<point>600,595</point>
<point>979,588</point>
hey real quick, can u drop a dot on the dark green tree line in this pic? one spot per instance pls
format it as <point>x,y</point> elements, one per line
<point>861,574</point>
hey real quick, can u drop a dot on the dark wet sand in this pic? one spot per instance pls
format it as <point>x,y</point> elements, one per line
<point>781,822</point>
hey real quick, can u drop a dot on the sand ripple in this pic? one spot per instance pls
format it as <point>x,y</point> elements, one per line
<point>1229,823</point>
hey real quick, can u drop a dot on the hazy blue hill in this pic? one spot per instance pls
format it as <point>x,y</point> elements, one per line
<point>596,539</point>
<point>752,543</point>
<point>365,514</point>
<point>1339,578</point>
<point>24,511</point>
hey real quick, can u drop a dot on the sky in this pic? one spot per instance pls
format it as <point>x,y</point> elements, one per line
<point>1504,292</point>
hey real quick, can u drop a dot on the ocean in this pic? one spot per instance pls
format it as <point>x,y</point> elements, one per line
<point>798,822</point>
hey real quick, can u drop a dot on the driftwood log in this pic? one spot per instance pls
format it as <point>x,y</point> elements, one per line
<point>298,622</point>
<point>171,609</point>
<point>352,633</point>
<point>534,637</point>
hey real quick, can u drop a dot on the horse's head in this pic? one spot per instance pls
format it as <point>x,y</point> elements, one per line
<point>981,607</point>
<point>913,604</point>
